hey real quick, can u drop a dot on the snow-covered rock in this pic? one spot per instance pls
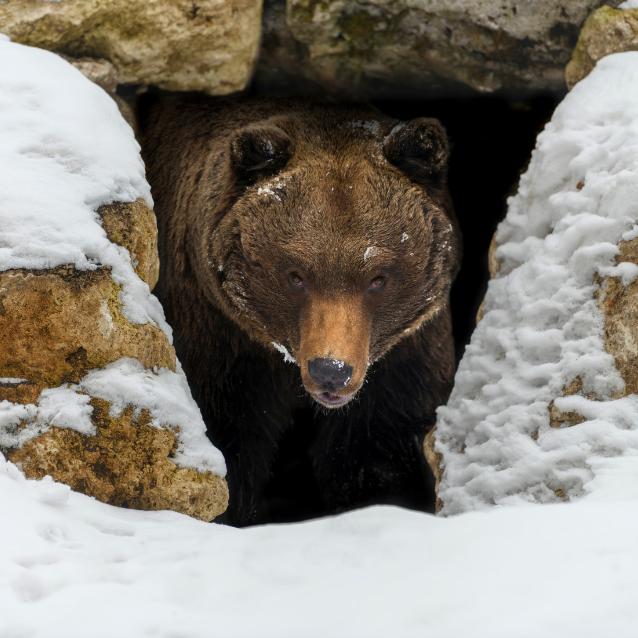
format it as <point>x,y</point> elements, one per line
<point>545,403</point>
<point>90,389</point>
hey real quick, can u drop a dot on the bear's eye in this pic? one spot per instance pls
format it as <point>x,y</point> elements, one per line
<point>296,281</point>
<point>378,283</point>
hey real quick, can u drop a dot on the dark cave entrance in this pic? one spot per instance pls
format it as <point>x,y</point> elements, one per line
<point>492,138</point>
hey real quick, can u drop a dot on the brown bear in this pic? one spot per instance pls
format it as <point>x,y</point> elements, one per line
<point>307,253</point>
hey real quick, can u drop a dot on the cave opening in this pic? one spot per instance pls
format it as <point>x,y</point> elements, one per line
<point>491,141</point>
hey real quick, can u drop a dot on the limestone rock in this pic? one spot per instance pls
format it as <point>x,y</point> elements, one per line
<point>133,226</point>
<point>606,31</point>
<point>394,48</point>
<point>618,303</point>
<point>127,462</point>
<point>178,45</point>
<point>58,324</point>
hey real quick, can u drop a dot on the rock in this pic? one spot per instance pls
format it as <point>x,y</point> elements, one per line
<point>91,392</point>
<point>618,303</point>
<point>133,226</point>
<point>180,45</point>
<point>545,403</point>
<point>127,463</point>
<point>58,324</point>
<point>394,49</point>
<point>605,31</point>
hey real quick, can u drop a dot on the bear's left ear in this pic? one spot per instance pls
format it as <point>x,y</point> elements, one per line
<point>259,150</point>
<point>419,148</point>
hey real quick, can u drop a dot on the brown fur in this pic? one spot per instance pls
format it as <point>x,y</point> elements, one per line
<point>253,195</point>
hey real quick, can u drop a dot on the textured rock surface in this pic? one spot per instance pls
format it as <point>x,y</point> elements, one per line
<point>58,324</point>
<point>127,463</point>
<point>394,48</point>
<point>618,303</point>
<point>175,44</point>
<point>606,31</point>
<point>133,226</point>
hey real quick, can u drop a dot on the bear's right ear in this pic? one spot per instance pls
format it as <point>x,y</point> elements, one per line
<point>259,150</point>
<point>419,148</point>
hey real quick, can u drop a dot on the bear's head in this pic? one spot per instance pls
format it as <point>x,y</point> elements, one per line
<point>335,239</point>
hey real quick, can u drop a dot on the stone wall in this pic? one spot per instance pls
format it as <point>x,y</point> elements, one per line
<point>351,49</point>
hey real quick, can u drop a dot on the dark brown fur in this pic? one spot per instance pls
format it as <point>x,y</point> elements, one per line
<point>253,195</point>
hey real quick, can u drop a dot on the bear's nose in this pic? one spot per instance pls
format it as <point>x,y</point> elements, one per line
<point>330,374</point>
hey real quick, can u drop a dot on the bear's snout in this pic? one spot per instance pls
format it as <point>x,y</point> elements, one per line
<point>330,374</point>
<point>333,351</point>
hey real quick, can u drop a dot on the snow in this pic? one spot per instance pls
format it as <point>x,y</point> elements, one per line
<point>167,397</point>
<point>65,151</point>
<point>542,328</point>
<point>288,358</point>
<point>71,567</point>
<point>369,252</point>
<point>274,188</point>
<point>372,127</point>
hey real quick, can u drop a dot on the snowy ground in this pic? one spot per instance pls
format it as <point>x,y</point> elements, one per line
<point>73,568</point>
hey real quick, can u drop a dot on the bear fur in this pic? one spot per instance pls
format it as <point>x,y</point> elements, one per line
<point>292,233</point>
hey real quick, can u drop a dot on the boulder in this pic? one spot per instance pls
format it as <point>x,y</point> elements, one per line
<point>398,48</point>
<point>607,30</point>
<point>91,392</point>
<point>178,45</point>
<point>545,403</point>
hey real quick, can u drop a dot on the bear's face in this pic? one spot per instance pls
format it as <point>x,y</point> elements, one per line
<point>335,251</point>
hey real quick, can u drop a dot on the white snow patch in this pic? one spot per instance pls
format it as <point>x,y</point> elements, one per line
<point>68,561</point>
<point>11,381</point>
<point>542,327</point>
<point>274,188</point>
<point>64,153</point>
<point>373,127</point>
<point>65,408</point>
<point>369,252</point>
<point>288,358</point>
<point>165,394</point>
